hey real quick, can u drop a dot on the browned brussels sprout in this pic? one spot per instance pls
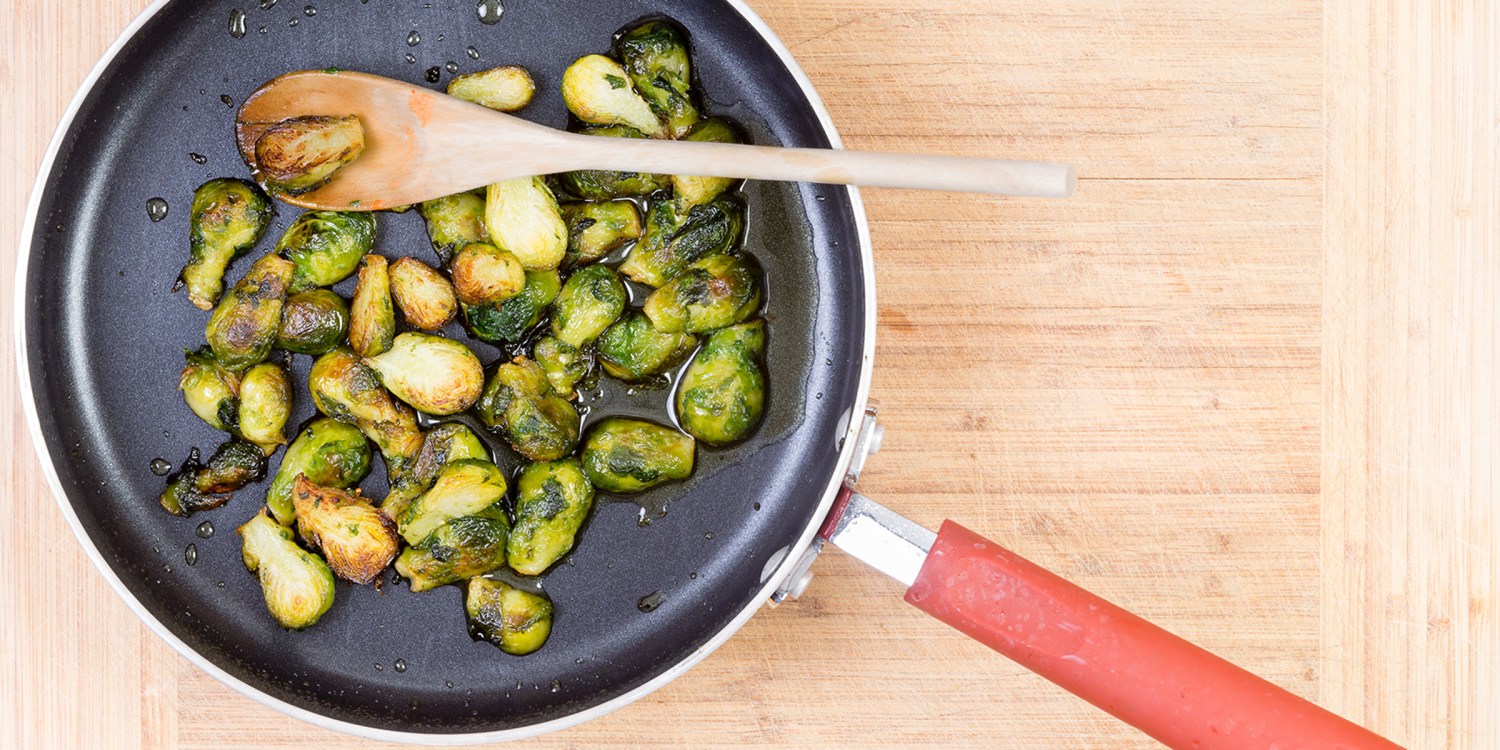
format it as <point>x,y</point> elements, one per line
<point>443,444</point>
<point>227,218</point>
<point>372,318</point>
<point>655,55</point>
<point>506,88</point>
<point>181,497</point>
<point>675,238</point>
<point>486,275</point>
<point>552,501</point>
<point>510,320</point>
<point>540,424</point>
<point>265,405</point>
<point>715,292</point>
<point>357,540</point>
<point>461,548</point>
<point>326,246</point>
<point>454,221</point>
<point>596,228</point>
<point>329,453</point>
<point>522,218</point>
<point>433,374</point>
<point>463,487</point>
<point>722,395</point>
<point>516,621</point>
<point>598,91</point>
<point>625,456</point>
<point>313,322</point>
<point>344,388</point>
<point>565,365</point>
<point>694,190</point>
<point>299,155</point>
<point>243,328</point>
<point>425,298</point>
<point>198,486</point>
<point>633,350</point>
<point>603,185</point>
<point>590,300</point>
<point>211,391</point>
<point>297,584</point>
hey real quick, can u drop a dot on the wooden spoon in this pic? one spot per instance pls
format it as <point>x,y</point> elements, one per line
<point>421,144</point>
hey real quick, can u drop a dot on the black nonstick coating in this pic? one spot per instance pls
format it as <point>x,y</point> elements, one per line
<point>105,336</point>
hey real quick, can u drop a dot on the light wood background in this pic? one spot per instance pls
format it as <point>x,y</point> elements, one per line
<point>1245,383</point>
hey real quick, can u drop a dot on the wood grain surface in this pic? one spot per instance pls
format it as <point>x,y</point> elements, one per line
<point>1244,384</point>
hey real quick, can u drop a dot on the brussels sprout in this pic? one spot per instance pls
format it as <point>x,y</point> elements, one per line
<point>297,584</point>
<point>522,218</point>
<point>344,388</point>
<point>329,453</point>
<point>181,497</point>
<point>265,404</point>
<point>197,486</point>
<point>718,291</point>
<point>552,501</point>
<point>675,238</point>
<point>454,221</point>
<point>372,318</point>
<point>485,274</point>
<point>594,229</point>
<point>211,391</point>
<point>511,319</point>
<point>433,374</point>
<point>589,302</point>
<point>227,218</point>
<point>326,246</point>
<point>506,88</point>
<point>243,328</point>
<point>445,443</point>
<point>722,395</point>
<point>516,621</point>
<point>463,488</point>
<point>597,90</point>
<point>625,456</point>
<point>313,322</point>
<point>357,540</point>
<point>655,54</point>
<point>597,185</point>
<point>692,190</point>
<point>540,424</point>
<point>426,298</point>
<point>461,548</point>
<point>632,349</point>
<point>564,364</point>
<point>298,155</point>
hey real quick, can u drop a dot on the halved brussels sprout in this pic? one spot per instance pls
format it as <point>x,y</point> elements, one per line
<point>196,486</point>
<point>602,185</point>
<point>506,88</point>
<point>372,318</point>
<point>510,320</point>
<point>433,374</point>
<point>344,388</point>
<point>211,391</point>
<point>676,238</point>
<point>485,274</point>
<point>329,453</point>
<point>540,424</point>
<point>655,55</point>
<point>313,322</point>
<point>516,621</point>
<point>715,292</point>
<point>597,90</point>
<point>357,540</point>
<point>265,405</point>
<point>564,364</point>
<point>463,488</point>
<point>443,444</point>
<point>227,218</point>
<point>594,229</point>
<point>461,548</point>
<point>454,221</point>
<point>722,395</point>
<point>298,155</point>
<point>626,456</point>
<point>552,501</point>
<point>326,246</point>
<point>522,218</point>
<point>633,350</point>
<point>426,298</point>
<point>590,300</point>
<point>243,328</point>
<point>694,190</point>
<point>297,584</point>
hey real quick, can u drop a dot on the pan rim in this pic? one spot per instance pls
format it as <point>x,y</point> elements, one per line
<point>769,585</point>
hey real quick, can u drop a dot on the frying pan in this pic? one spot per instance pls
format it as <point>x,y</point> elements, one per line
<point>100,339</point>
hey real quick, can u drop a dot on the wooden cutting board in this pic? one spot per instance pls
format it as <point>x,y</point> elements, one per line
<point>1244,384</point>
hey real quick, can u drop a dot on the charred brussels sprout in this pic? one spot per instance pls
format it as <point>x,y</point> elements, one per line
<point>565,365</point>
<point>297,584</point>
<point>265,404</point>
<point>357,540</point>
<point>426,298</point>
<point>197,486</point>
<point>625,456</point>
<point>344,388</point>
<point>594,229</point>
<point>326,246</point>
<point>589,302</point>
<point>675,238</point>
<point>510,320</point>
<point>444,444</point>
<point>516,621</point>
<point>454,221</point>
<point>552,501</point>
<point>372,318</point>
<point>313,322</point>
<point>243,328</point>
<point>461,548</point>
<point>694,190</point>
<point>181,497</point>
<point>540,424</point>
<point>718,291</point>
<point>521,217</point>
<point>632,349</point>
<point>433,374</point>
<point>329,453</point>
<point>211,391</point>
<point>486,275</point>
<point>603,185</point>
<point>722,395</point>
<point>298,155</point>
<point>506,88</point>
<point>598,91</point>
<point>655,54</point>
<point>227,218</point>
<point>462,488</point>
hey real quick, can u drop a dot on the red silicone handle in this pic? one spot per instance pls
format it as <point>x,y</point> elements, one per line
<point>1166,687</point>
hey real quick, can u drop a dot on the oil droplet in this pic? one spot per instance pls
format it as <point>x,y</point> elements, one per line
<point>448,683</point>
<point>820,198</point>
<point>156,209</point>
<point>310,11</point>
<point>228,102</point>
<point>237,23</point>
<point>166,568</point>
<point>293,23</point>
<point>198,158</point>
<point>709,535</point>
<point>434,74</point>
<point>410,58</point>
<point>757,506</point>
<point>220,584</point>
<point>693,575</point>
<point>651,601</point>
<point>451,67</point>
<point>413,39</point>
<point>205,529</point>
<point>267,4</point>
<point>556,685</point>
<point>473,53</point>
<point>161,467</point>
<point>379,667</point>
<point>190,555</point>
<point>400,665</point>
<point>489,11</point>
<point>261,29</point>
